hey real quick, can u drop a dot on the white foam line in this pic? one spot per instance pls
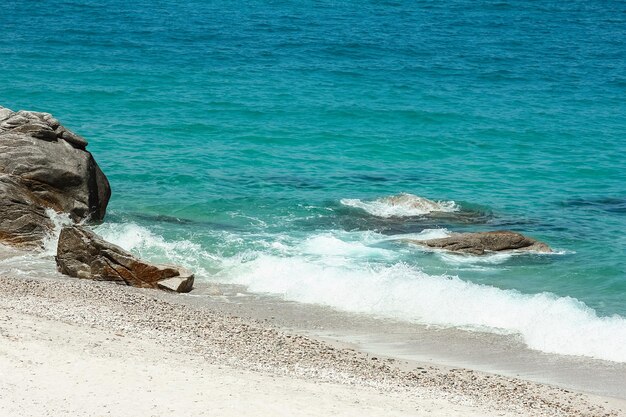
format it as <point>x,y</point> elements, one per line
<point>544,321</point>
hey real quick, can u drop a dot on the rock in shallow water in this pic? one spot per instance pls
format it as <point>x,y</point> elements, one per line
<point>481,242</point>
<point>44,166</point>
<point>83,254</point>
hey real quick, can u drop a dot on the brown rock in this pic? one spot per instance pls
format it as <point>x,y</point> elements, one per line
<point>37,130</point>
<point>75,140</point>
<point>23,219</point>
<point>44,166</point>
<point>481,242</point>
<point>83,254</point>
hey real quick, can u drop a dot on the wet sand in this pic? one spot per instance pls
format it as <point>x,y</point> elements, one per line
<point>419,344</point>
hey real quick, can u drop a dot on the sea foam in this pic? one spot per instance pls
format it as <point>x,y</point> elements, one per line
<point>351,272</point>
<point>153,247</point>
<point>51,240</point>
<point>544,321</point>
<point>401,205</point>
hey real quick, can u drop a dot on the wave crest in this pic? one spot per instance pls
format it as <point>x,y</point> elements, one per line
<point>545,322</point>
<point>155,248</point>
<point>343,270</point>
<point>401,205</point>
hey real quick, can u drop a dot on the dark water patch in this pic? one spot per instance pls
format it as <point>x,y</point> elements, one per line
<point>470,218</point>
<point>606,204</point>
<point>510,223</point>
<point>370,178</point>
<point>293,182</point>
<point>276,181</point>
<point>355,219</point>
<point>352,220</point>
<point>153,219</point>
<point>462,217</point>
<point>161,218</point>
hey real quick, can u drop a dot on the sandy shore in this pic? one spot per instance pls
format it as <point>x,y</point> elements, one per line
<point>70,347</point>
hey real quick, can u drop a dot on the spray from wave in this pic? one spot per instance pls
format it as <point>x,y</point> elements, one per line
<point>29,263</point>
<point>153,247</point>
<point>401,205</point>
<point>51,240</point>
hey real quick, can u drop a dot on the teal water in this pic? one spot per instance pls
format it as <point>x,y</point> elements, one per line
<point>232,133</point>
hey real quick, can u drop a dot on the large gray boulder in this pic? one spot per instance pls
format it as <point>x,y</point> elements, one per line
<point>484,242</point>
<point>43,165</point>
<point>83,254</point>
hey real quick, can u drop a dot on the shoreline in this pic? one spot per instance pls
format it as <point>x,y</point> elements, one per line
<point>418,344</point>
<point>217,337</point>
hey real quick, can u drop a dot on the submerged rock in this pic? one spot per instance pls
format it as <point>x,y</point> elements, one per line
<point>401,205</point>
<point>481,242</point>
<point>421,204</point>
<point>43,165</point>
<point>83,254</point>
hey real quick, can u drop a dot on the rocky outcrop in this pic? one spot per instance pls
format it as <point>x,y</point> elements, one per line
<point>482,242</point>
<point>83,254</point>
<point>44,165</point>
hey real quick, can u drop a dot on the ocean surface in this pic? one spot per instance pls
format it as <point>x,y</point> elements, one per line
<point>255,142</point>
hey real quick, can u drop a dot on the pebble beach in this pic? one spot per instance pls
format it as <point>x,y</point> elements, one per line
<point>76,325</point>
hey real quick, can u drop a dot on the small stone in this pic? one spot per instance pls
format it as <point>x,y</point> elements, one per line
<point>75,140</point>
<point>183,283</point>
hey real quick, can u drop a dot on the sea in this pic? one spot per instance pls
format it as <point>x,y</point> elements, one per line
<point>258,143</point>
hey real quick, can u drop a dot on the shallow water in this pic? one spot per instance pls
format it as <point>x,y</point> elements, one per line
<point>231,136</point>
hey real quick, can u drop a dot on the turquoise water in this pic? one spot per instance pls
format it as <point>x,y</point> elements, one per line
<point>231,135</point>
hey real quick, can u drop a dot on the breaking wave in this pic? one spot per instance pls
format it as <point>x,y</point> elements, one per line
<point>545,322</point>
<point>356,272</point>
<point>153,247</point>
<point>401,205</point>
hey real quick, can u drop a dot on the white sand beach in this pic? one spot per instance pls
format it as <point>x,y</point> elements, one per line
<point>52,368</point>
<point>79,348</point>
